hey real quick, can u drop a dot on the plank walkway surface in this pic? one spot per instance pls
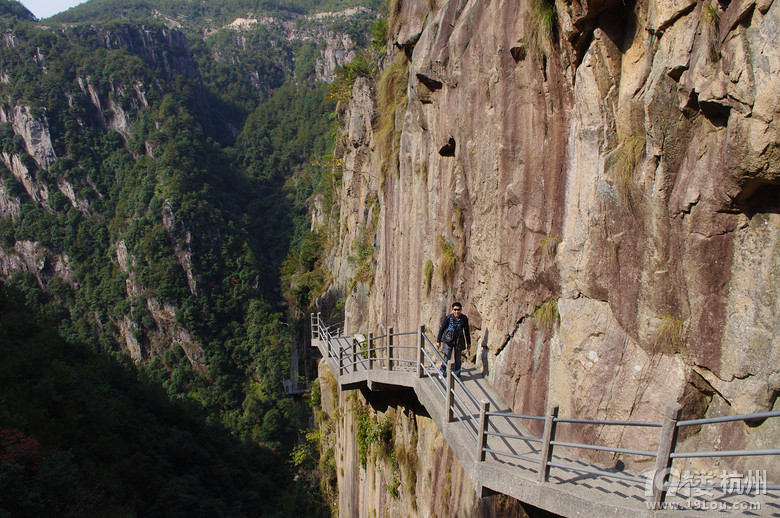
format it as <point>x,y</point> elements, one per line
<point>573,487</point>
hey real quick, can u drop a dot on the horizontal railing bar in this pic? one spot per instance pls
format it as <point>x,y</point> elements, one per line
<point>515,416</point>
<point>726,419</point>
<point>468,430</point>
<point>507,454</point>
<point>467,391</point>
<point>404,346</point>
<point>604,448</point>
<point>462,407</point>
<point>408,333</point>
<point>598,472</point>
<point>441,358</point>
<point>428,373</point>
<point>724,453</point>
<point>604,422</point>
<point>515,436</point>
<point>425,352</point>
<point>465,408</point>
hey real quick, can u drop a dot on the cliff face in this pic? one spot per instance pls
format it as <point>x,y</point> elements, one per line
<point>604,203</point>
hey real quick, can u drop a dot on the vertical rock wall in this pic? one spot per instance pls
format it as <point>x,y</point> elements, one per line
<point>627,181</point>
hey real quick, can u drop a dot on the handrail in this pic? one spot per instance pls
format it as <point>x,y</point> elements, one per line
<point>348,356</point>
<point>514,436</point>
<point>644,453</point>
<point>606,422</point>
<point>723,453</point>
<point>467,391</point>
<point>517,416</point>
<point>729,418</point>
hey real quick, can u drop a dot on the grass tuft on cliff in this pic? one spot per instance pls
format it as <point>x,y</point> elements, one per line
<point>710,25</point>
<point>669,335</point>
<point>540,28</point>
<point>362,259</point>
<point>546,314</point>
<point>548,246</point>
<point>622,163</point>
<point>448,260</point>
<point>391,97</point>
<point>427,274</point>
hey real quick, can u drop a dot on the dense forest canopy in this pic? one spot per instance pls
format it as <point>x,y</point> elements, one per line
<point>202,14</point>
<point>157,181</point>
<point>11,10</point>
<point>84,434</point>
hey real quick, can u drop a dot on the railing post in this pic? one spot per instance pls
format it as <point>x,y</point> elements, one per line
<point>663,460</point>
<point>450,389</point>
<point>369,351</point>
<point>483,426</point>
<point>354,355</point>
<point>389,348</point>
<point>547,437</point>
<point>341,358</point>
<point>319,323</point>
<point>420,355</point>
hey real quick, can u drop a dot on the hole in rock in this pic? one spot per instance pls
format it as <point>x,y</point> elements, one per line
<point>448,149</point>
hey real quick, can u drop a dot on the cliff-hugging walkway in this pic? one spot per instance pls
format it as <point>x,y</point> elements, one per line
<point>499,454</point>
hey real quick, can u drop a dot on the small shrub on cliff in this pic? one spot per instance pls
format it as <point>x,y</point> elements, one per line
<point>364,65</point>
<point>379,36</point>
<point>366,432</point>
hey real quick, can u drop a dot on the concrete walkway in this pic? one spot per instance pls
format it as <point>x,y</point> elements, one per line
<point>568,492</point>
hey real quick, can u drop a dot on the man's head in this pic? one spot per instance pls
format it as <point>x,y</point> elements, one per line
<point>456,307</point>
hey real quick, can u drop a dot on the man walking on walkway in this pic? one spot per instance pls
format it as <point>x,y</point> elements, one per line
<point>455,334</point>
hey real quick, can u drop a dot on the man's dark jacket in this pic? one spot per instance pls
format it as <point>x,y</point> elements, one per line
<point>446,322</point>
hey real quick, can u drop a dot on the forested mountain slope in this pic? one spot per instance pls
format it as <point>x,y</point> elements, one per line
<point>154,179</point>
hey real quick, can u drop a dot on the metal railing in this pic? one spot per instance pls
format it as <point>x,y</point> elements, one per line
<point>480,423</point>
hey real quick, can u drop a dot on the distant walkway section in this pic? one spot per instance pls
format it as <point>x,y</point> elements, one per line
<point>500,455</point>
